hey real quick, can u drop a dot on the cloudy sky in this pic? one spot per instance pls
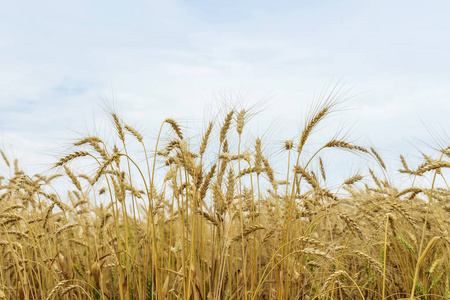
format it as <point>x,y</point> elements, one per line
<point>61,61</point>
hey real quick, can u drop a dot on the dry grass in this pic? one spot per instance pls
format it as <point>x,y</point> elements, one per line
<point>220,222</point>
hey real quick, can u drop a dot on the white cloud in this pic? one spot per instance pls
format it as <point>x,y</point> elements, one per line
<point>163,59</point>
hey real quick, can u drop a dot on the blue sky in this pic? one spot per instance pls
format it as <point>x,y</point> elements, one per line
<point>60,60</point>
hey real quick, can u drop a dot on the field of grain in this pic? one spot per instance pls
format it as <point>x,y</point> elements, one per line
<point>211,217</point>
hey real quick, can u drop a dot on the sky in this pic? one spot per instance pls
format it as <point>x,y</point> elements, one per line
<point>63,62</point>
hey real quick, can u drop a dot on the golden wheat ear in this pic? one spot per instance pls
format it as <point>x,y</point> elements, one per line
<point>175,127</point>
<point>226,126</point>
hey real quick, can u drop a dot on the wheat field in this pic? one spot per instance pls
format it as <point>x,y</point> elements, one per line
<point>211,217</point>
